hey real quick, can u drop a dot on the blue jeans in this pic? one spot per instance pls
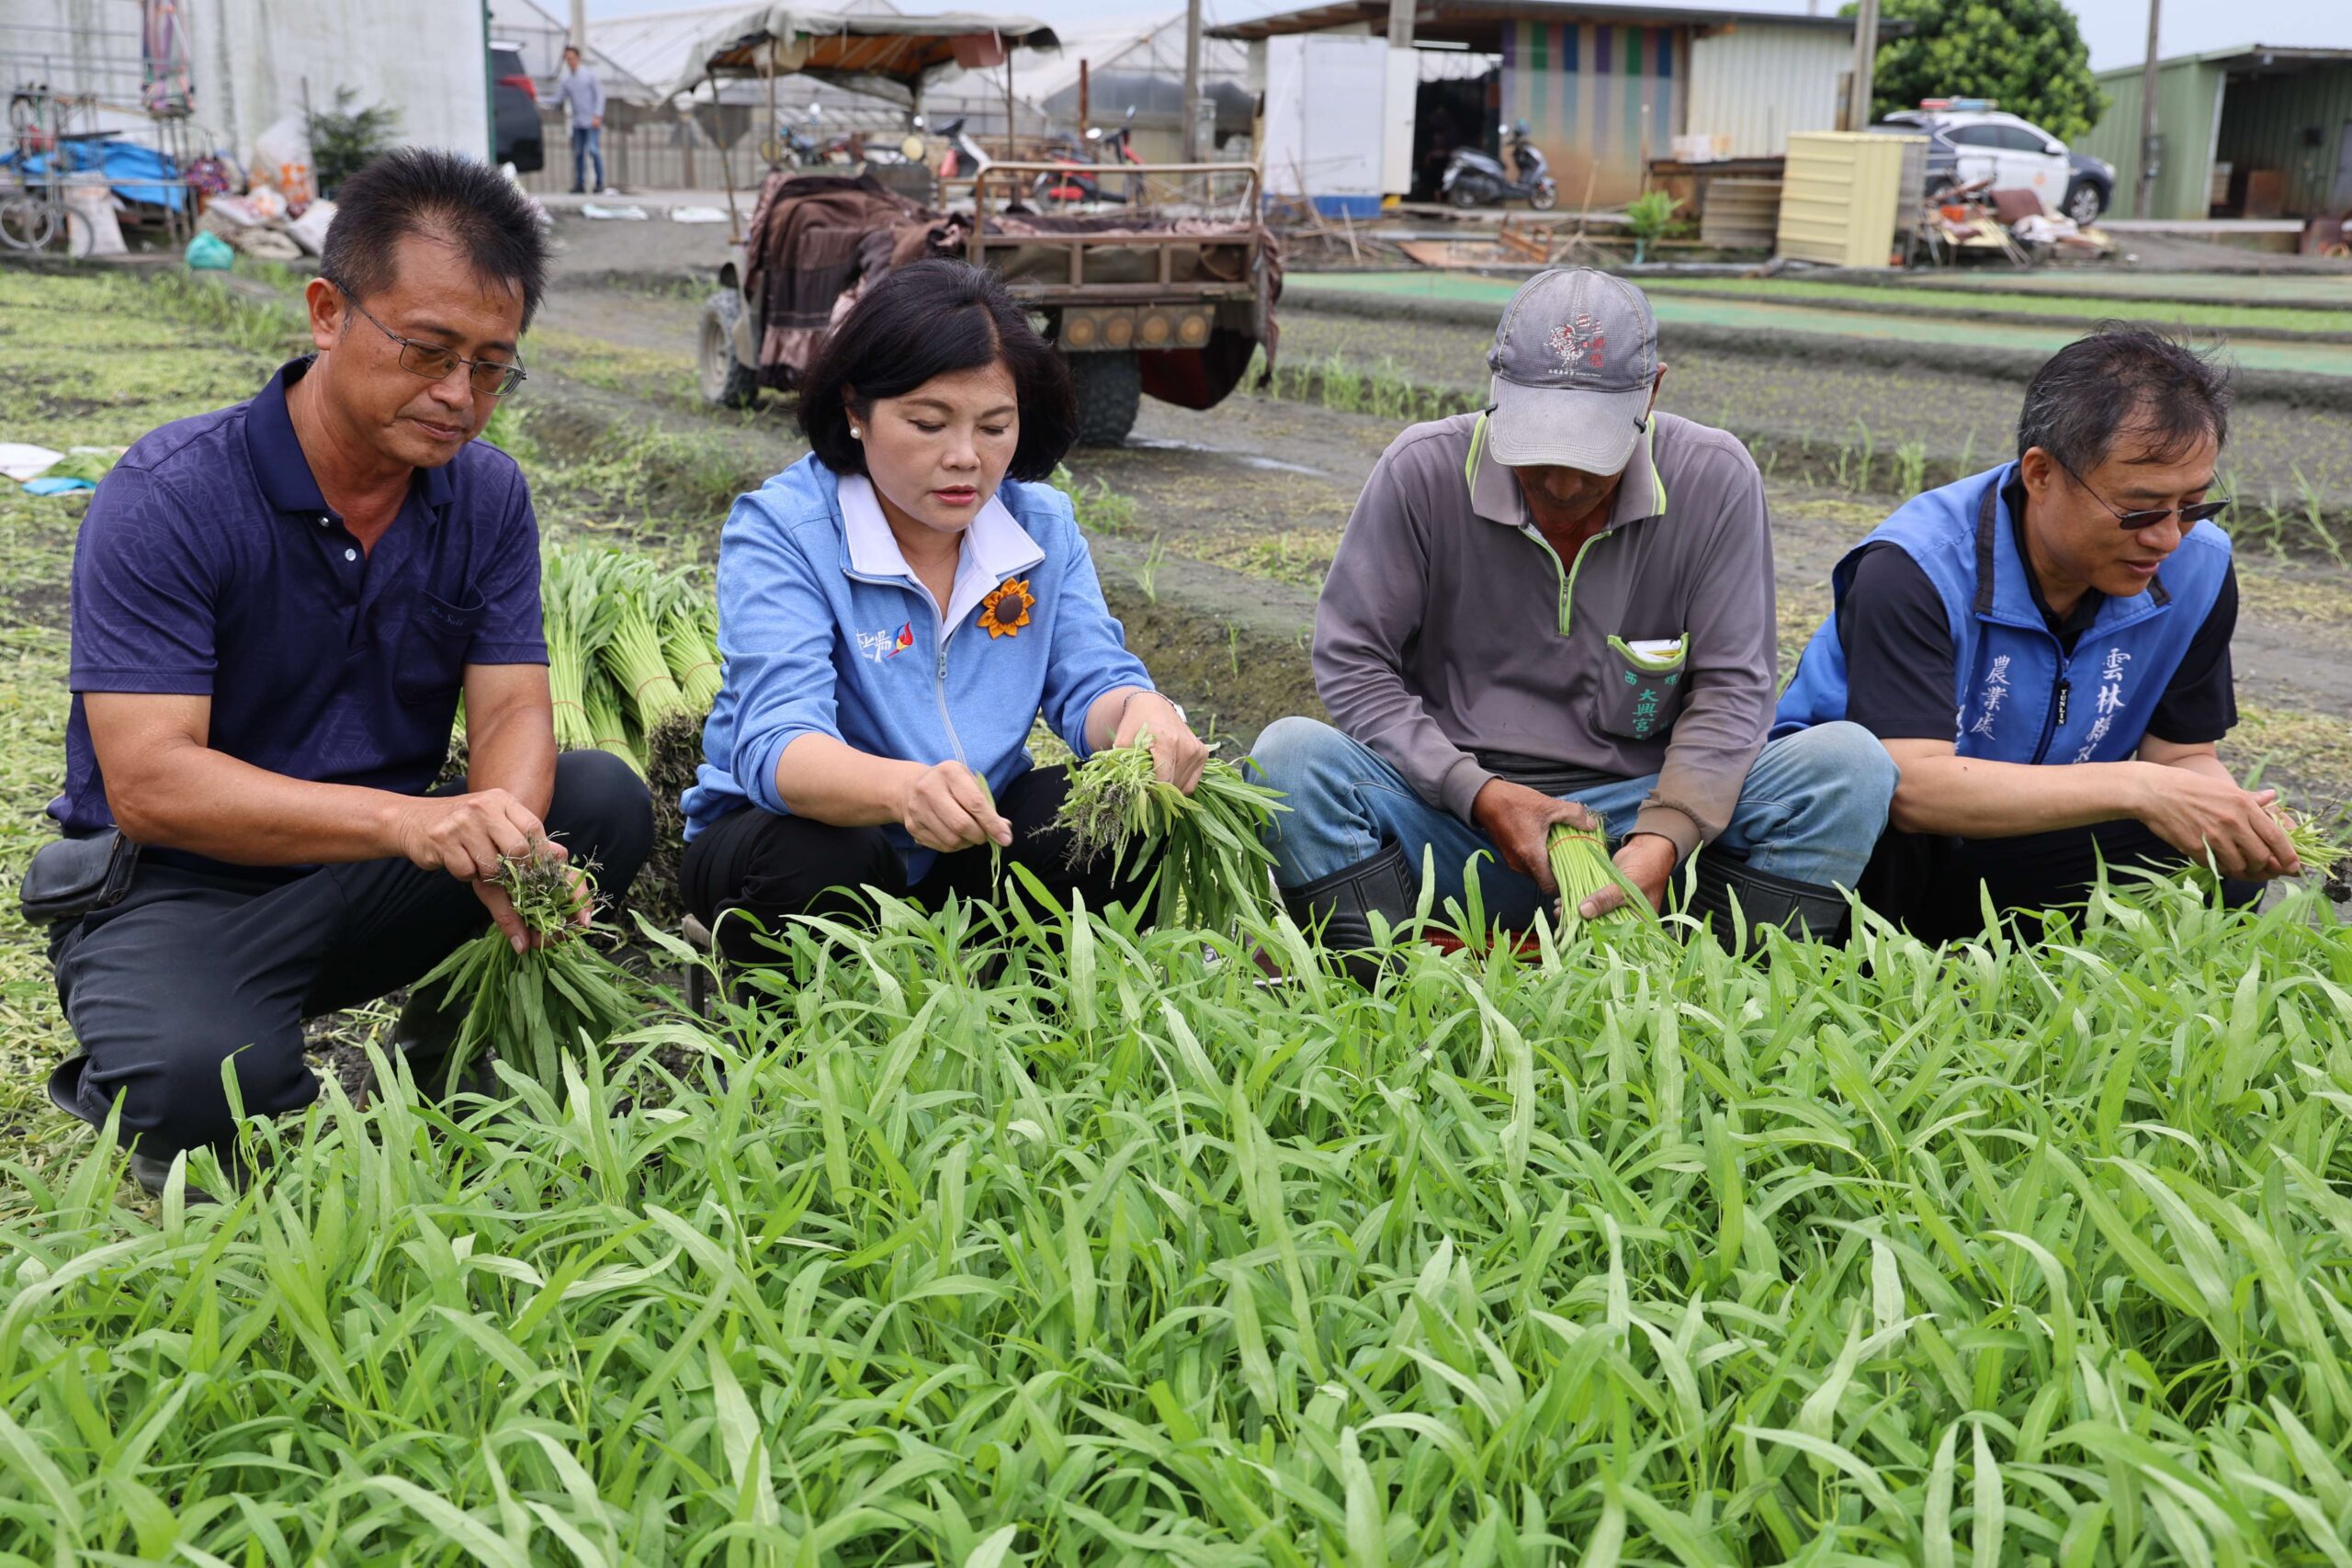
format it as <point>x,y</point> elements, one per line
<point>1810,810</point>
<point>587,142</point>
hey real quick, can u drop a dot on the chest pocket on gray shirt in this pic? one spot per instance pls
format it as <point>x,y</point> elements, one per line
<point>1640,688</point>
<point>433,648</point>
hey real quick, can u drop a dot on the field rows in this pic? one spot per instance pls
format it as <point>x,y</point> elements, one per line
<point>1044,1237</point>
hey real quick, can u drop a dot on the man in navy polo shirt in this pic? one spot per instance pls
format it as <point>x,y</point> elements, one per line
<point>275,608</point>
<point>2044,649</point>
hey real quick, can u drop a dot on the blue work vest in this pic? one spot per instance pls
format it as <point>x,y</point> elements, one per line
<point>2018,695</point>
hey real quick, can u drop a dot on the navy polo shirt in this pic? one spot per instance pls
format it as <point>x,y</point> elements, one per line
<point>209,565</point>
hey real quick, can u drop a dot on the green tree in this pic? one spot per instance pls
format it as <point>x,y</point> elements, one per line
<point>2026,56</point>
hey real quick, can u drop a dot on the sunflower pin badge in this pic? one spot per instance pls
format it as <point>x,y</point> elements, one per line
<point>1006,611</point>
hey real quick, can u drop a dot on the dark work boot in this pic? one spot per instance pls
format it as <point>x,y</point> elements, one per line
<point>151,1171</point>
<point>1342,904</point>
<point>1801,909</point>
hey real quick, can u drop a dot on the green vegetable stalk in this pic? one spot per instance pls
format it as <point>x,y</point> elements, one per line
<point>1582,865</point>
<point>2317,839</point>
<point>533,1007</point>
<point>1214,867</point>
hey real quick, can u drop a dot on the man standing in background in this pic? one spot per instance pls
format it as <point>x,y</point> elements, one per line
<point>581,93</point>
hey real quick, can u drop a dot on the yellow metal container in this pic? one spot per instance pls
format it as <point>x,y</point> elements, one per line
<point>1840,197</point>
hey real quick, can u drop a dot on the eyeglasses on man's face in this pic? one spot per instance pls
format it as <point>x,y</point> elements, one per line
<point>491,378</point>
<point>2148,517</point>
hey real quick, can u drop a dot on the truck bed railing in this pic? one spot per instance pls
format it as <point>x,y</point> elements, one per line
<point>1167,244</point>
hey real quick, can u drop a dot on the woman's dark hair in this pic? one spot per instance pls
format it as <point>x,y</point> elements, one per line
<point>936,318</point>
<point>423,190</point>
<point>2125,378</point>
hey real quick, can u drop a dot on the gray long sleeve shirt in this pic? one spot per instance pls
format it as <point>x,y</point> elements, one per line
<point>581,93</point>
<point>1449,629</point>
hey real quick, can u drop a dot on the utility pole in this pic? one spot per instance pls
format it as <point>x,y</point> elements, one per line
<point>1191,81</point>
<point>2144,197</point>
<point>1400,24</point>
<point>580,28</point>
<point>1857,107</point>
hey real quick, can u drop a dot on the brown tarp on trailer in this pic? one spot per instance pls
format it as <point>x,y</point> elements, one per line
<point>816,240</point>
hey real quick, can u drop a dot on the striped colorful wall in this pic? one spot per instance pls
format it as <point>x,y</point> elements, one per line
<point>1593,96</point>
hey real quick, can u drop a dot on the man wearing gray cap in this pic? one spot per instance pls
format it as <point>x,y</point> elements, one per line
<point>1557,609</point>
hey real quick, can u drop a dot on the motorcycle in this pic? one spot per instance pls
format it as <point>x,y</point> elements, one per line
<point>1474,179</point>
<point>1076,180</point>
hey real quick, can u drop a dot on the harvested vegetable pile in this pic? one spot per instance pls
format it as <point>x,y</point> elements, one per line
<point>633,669</point>
<point>1214,868</point>
<point>2003,1254</point>
<point>536,1007</point>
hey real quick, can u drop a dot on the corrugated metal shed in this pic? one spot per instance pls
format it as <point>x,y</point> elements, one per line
<point>1760,84</point>
<point>2257,107</point>
<point>2188,111</point>
<point>2297,126</point>
<point>1597,99</point>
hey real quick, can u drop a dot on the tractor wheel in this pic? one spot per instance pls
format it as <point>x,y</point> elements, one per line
<point>726,381</point>
<point>1109,388</point>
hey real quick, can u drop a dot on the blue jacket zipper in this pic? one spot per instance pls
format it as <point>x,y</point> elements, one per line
<point>939,660</point>
<point>2055,714</point>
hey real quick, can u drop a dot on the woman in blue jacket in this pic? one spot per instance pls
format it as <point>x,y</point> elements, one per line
<point>895,610</point>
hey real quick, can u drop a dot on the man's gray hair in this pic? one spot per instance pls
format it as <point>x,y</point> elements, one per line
<point>2125,378</point>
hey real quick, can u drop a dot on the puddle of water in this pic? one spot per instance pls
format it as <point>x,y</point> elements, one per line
<point>1247,460</point>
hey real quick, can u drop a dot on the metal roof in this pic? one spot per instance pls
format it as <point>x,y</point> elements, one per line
<point>1446,19</point>
<point>2259,59</point>
<point>882,53</point>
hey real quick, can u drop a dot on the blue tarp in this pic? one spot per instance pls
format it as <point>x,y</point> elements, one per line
<point>126,166</point>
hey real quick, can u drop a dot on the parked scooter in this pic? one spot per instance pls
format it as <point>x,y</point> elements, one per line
<point>794,146</point>
<point>1077,179</point>
<point>963,156</point>
<point>1474,179</point>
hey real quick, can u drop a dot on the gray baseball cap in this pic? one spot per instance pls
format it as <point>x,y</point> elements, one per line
<point>1574,361</point>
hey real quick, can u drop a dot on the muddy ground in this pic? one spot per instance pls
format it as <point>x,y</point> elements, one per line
<point>1236,510</point>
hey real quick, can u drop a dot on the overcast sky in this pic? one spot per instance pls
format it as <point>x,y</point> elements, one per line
<point>2116,30</point>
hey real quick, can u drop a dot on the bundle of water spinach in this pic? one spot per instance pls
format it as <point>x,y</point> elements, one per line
<point>534,1007</point>
<point>1582,865</point>
<point>1213,869</point>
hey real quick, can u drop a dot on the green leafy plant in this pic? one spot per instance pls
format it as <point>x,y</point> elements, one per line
<point>1097,508</point>
<point>1911,468</point>
<point>343,139</point>
<point>1648,217</point>
<point>1878,1253</point>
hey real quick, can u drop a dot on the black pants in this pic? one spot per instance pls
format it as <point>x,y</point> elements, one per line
<point>772,867</point>
<point>1934,886</point>
<point>193,969</point>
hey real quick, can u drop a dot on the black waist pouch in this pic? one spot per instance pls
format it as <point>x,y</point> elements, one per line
<point>1541,775</point>
<point>71,878</point>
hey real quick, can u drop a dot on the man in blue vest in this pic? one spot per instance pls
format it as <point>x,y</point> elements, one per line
<point>2044,649</point>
